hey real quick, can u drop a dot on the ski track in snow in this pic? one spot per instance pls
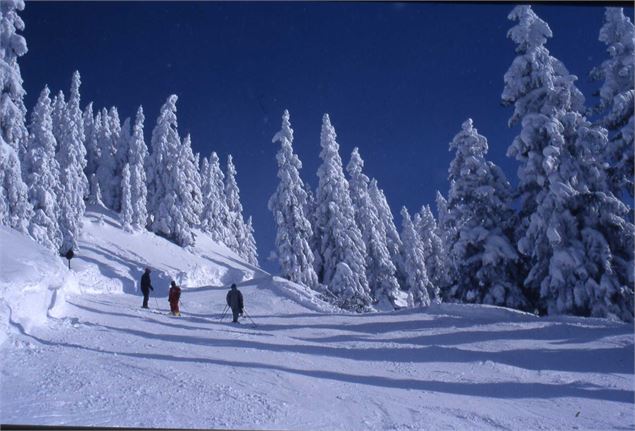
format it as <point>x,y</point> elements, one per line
<point>110,363</point>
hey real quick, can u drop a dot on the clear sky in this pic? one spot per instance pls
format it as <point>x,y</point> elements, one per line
<point>398,79</point>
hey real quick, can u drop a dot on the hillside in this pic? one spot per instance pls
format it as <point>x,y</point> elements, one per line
<point>84,353</point>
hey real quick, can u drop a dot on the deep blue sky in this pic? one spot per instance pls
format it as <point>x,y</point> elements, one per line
<point>397,79</point>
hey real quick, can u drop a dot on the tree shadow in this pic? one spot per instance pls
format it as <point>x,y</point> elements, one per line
<point>614,359</point>
<point>500,390</point>
<point>557,333</point>
<point>375,328</point>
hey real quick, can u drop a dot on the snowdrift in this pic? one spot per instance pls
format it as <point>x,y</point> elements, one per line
<point>33,282</point>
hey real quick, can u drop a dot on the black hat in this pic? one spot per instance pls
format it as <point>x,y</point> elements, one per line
<point>233,286</point>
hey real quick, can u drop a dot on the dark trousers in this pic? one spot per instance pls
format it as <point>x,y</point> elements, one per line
<point>146,296</point>
<point>235,312</point>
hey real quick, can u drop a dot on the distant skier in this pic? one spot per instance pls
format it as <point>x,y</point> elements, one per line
<point>174,295</point>
<point>235,302</point>
<point>146,287</point>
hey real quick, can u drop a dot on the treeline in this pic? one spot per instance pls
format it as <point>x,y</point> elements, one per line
<point>569,249</point>
<point>66,157</point>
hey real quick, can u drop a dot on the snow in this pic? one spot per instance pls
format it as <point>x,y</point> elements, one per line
<point>100,360</point>
<point>33,283</point>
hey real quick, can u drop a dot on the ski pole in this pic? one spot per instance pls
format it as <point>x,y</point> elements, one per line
<point>224,312</point>
<point>249,317</point>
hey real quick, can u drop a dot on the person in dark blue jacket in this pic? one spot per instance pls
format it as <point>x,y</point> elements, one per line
<point>146,287</point>
<point>235,302</point>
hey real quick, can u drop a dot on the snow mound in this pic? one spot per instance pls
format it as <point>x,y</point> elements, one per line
<point>299,294</point>
<point>91,280</point>
<point>481,312</point>
<point>33,283</point>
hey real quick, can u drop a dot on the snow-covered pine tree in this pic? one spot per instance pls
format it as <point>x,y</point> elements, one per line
<point>380,270</point>
<point>393,242</point>
<point>137,156</point>
<point>426,226</point>
<point>127,210</point>
<point>215,217</point>
<point>204,170</point>
<point>446,233</point>
<point>251,249</point>
<point>192,199</point>
<point>76,127</point>
<point>122,154</point>
<point>310,213</point>
<point>42,175</point>
<point>576,236</point>
<point>94,198</point>
<point>168,188</point>
<point>236,220</point>
<point>59,107</point>
<point>92,141</point>
<point>107,166</point>
<point>288,203</point>
<point>418,284</point>
<point>617,96</point>
<point>15,209</point>
<point>71,157</point>
<point>481,253</point>
<point>340,240</point>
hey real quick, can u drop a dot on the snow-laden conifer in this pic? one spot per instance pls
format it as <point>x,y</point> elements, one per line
<point>59,106</point>
<point>426,226</point>
<point>91,133</point>
<point>15,210</point>
<point>137,157</point>
<point>250,248</point>
<point>237,225</point>
<point>380,270</point>
<point>42,175</point>
<point>446,233</point>
<point>340,240</point>
<point>393,241</point>
<point>575,259</point>
<point>310,213</point>
<point>617,97</point>
<point>94,198</point>
<point>481,253</point>
<point>127,210</point>
<point>215,217</point>
<point>107,166</point>
<point>167,182</point>
<point>119,143</point>
<point>71,157</point>
<point>288,205</point>
<point>418,284</point>
<point>191,181</point>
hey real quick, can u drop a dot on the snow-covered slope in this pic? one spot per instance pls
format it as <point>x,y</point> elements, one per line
<point>103,361</point>
<point>112,260</point>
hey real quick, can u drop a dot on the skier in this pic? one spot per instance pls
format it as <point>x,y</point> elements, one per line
<point>174,295</point>
<point>235,302</point>
<point>146,287</point>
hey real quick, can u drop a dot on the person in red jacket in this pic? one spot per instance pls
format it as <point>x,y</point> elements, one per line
<point>174,296</point>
